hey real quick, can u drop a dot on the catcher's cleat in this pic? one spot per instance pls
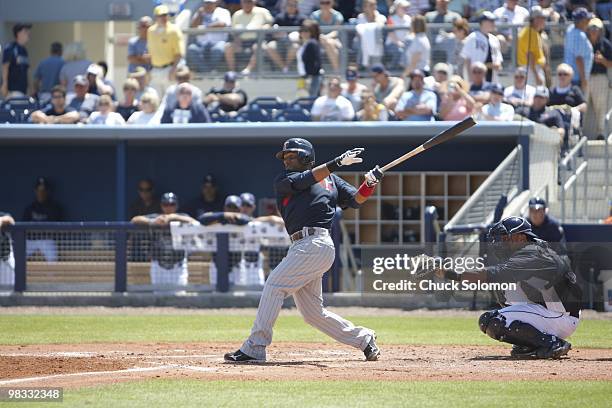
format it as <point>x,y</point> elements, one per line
<point>239,357</point>
<point>555,351</point>
<point>522,351</point>
<point>372,352</point>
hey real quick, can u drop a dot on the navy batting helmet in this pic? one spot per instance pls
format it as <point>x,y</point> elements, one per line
<point>301,146</point>
<point>509,226</point>
<point>169,199</point>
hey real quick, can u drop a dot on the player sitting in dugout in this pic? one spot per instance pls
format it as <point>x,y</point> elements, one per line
<point>544,310</point>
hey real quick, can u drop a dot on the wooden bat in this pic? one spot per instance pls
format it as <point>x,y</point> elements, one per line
<point>441,137</point>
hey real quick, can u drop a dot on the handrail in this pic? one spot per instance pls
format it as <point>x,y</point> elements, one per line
<point>571,181</point>
<point>499,171</point>
<point>572,153</point>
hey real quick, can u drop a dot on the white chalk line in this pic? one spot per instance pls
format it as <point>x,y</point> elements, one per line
<point>113,353</point>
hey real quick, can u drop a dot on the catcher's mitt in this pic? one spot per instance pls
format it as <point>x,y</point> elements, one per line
<point>425,266</point>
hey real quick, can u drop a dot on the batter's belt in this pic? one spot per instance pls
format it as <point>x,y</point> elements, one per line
<point>307,231</point>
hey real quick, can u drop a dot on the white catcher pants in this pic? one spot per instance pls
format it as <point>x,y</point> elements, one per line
<point>299,274</point>
<point>547,321</point>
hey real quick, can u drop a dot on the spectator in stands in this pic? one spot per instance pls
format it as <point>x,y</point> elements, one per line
<point>42,209</point>
<point>418,52</point>
<point>417,104</point>
<point>7,259</point>
<point>479,87</point>
<point>565,94</point>
<point>185,110</point>
<point>599,98</point>
<point>47,73</point>
<point>96,82</point>
<point>550,14</point>
<point>138,52</point>
<point>327,16</point>
<point>538,112</point>
<point>418,7</point>
<point>142,76</point>
<point>441,14</point>
<point>478,7</point>
<point>207,51</point>
<point>81,100</point>
<point>387,89</point>
<point>437,82</point>
<point>182,76</point>
<point>395,43</point>
<point>482,46</point>
<point>530,47</point>
<point>57,111</point>
<point>248,17</point>
<point>105,115</point>
<point>519,94</point>
<point>457,103</point>
<point>209,199</point>
<point>369,34</point>
<point>149,103</point>
<point>168,266</point>
<point>545,226</point>
<point>16,63</point>
<point>75,64</point>
<point>130,103</point>
<point>165,44</point>
<point>332,106</point>
<point>309,57</point>
<point>452,44</point>
<point>510,13</point>
<point>104,77</point>
<point>282,43</point>
<point>372,110</point>
<point>496,110</point>
<point>578,50</point>
<point>229,97</point>
<point>147,202</point>
<point>352,89</point>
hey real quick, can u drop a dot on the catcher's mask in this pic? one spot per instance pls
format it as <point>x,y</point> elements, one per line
<point>508,226</point>
<point>302,147</point>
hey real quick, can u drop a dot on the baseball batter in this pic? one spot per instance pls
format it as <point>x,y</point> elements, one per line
<point>545,308</point>
<point>306,197</point>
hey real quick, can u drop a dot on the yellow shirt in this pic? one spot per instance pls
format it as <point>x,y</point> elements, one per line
<point>529,40</point>
<point>257,18</point>
<point>164,44</point>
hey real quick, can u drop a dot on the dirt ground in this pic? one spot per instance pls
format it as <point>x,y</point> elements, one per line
<point>94,364</point>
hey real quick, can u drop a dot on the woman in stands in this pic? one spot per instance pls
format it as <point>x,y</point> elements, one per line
<point>105,114</point>
<point>149,102</point>
<point>457,103</point>
<point>309,56</point>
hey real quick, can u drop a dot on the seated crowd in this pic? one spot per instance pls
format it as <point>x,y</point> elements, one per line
<point>72,89</point>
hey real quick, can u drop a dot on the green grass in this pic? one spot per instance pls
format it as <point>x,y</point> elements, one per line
<point>193,393</point>
<point>45,329</point>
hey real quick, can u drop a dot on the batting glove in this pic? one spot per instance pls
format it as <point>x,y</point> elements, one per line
<point>374,176</point>
<point>350,157</point>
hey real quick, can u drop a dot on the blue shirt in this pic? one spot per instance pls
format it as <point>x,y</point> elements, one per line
<point>304,202</point>
<point>411,99</point>
<point>48,72</point>
<point>337,18</point>
<point>578,45</point>
<point>17,58</point>
<point>137,46</point>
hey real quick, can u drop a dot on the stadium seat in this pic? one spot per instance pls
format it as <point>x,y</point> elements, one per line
<point>21,106</point>
<point>303,103</point>
<point>292,115</point>
<point>253,115</point>
<point>268,103</point>
<point>7,116</point>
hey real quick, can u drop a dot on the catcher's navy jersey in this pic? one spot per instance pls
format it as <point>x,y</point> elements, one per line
<point>304,202</point>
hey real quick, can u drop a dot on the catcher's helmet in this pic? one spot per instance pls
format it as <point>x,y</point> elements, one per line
<point>509,226</point>
<point>301,146</point>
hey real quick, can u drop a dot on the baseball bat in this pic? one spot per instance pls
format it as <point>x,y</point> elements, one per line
<point>441,137</point>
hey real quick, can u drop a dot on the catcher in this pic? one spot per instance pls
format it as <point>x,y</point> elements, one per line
<point>544,310</point>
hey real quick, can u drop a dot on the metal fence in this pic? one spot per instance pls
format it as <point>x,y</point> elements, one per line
<point>120,257</point>
<point>348,47</point>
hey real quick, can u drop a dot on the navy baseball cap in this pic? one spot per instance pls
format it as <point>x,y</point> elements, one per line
<point>248,199</point>
<point>378,69</point>
<point>537,203</point>
<point>233,201</point>
<point>210,179</point>
<point>496,88</point>
<point>580,14</point>
<point>169,199</point>
<point>230,76</point>
<point>486,15</point>
<point>542,91</point>
<point>42,181</point>
<point>351,74</point>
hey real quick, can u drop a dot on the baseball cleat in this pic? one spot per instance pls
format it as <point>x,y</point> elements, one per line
<point>522,351</point>
<point>372,352</point>
<point>239,357</point>
<point>555,351</point>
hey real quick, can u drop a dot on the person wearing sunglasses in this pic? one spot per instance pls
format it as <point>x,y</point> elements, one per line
<point>105,115</point>
<point>138,53</point>
<point>58,111</point>
<point>147,201</point>
<point>565,93</point>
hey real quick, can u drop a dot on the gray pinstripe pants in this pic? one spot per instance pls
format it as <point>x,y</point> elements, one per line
<point>299,274</point>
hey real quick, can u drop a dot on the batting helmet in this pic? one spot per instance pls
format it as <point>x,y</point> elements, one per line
<point>509,226</point>
<point>301,146</point>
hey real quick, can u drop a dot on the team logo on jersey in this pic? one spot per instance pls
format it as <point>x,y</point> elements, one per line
<point>327,184</point>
